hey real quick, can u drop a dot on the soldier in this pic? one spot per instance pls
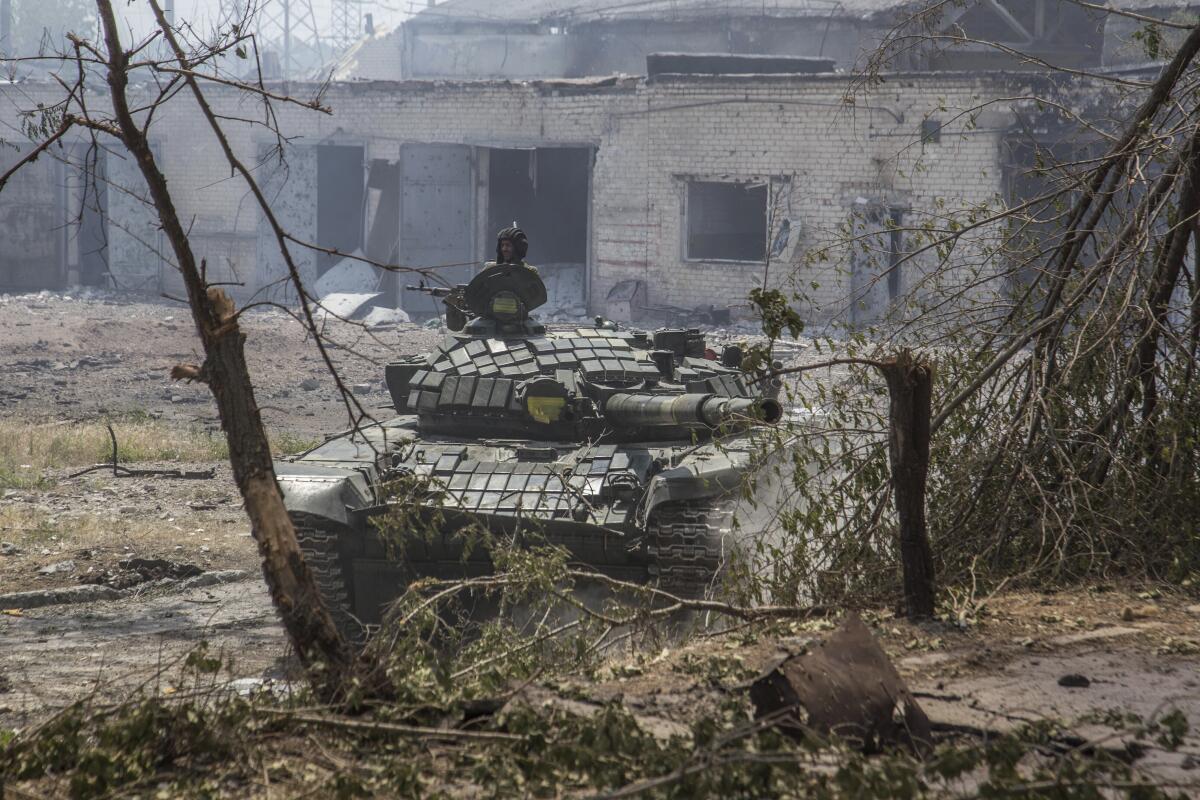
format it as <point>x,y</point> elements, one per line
<point>508,274</point>
<point>508,270</point>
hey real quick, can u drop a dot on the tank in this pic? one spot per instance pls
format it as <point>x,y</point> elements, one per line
<point>626,447</point>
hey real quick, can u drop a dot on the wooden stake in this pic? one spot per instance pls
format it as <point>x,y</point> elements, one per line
<point>910,387</point>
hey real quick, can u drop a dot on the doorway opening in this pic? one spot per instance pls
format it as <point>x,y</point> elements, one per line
<point>340,201</point>
<point>546,191</point>
<point>87,231</point>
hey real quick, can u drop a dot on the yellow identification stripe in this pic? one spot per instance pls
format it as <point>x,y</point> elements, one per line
<point>545,409</point>
<point>504,305</point>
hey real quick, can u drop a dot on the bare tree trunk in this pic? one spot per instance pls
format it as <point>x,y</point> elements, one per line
<point>910,388</point>
<point>308,624</point>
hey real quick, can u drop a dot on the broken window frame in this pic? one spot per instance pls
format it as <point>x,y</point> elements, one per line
<point>766,183</point>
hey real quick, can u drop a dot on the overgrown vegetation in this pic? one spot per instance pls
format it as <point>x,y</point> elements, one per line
<point>480,732</point>
<point>1063,324</point>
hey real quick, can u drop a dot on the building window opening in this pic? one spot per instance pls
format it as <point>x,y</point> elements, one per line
<point>726,221</point>
<point>341,201</point>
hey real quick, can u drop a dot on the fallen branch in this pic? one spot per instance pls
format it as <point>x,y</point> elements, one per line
<point>418,731</point>
<point>676,603</point>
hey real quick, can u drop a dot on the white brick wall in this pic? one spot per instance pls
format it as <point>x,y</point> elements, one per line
<point>648,135</point>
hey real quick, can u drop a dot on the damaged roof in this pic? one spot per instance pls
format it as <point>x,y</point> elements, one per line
<point>567,11</point>
<point>526,11</point>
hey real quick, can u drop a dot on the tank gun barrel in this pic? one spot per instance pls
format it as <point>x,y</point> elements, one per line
<point>688,410</point>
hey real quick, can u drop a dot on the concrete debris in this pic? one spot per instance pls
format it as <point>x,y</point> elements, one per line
<point>94,592</point>
<point>348,276</point>
<point>380,317</point>
<point>80,293</point>
<point>845,686</point>
<point>347,305</point>
<point>9,549</point>
<point>362,388</point>
<point>310,384</point>
<point>362,308</point>
<point>626,301</point>
<point>214,578</point>
<point>57,568</point>
<point>574,315</point>
<point>564,289</point>
<point>155,568</point>
<point>52,597</point>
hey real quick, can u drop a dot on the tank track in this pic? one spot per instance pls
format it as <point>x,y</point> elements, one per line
<point>320,541</point>
<point>688,543</point>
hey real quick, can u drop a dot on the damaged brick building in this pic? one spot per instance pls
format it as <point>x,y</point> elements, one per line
<point>685,186</point>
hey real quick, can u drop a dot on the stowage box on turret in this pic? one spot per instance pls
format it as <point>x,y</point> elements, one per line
<point>625,447</point>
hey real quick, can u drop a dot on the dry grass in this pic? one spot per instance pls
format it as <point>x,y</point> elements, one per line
<point>29,449</point>
<point>52,519</point>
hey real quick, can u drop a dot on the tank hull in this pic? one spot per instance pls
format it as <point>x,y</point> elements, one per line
<point>653,512</point>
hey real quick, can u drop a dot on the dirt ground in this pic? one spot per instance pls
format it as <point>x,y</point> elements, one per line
<point>71,360</point>
<point>87,360</point>
<point>89,356</point>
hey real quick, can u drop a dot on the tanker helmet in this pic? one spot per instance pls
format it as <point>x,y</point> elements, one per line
<point>520,244</point>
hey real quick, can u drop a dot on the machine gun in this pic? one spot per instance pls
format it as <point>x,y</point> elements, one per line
<point>438,291</point>
<point>454,298</point>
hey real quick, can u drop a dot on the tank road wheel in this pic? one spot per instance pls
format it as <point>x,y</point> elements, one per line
<point>320,541</point>
<point>688,544</point>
